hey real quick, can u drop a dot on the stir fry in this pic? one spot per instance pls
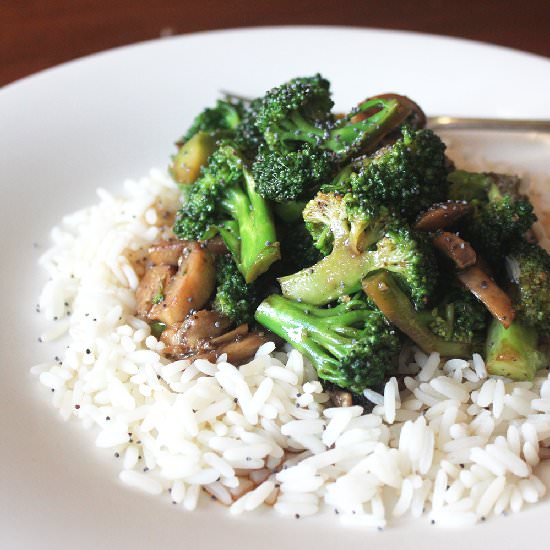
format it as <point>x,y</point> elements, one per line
<point>348,236</point>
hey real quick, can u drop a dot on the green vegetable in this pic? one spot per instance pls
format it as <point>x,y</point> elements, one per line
<point>398,310</point>
<point>224,200</point>
<point>216,121</point>
<point>234,298</point>
<point>458,317</point>
<point>361,245</point>
<point>291,175</point>
<point>513,352</point>
<point>157,328</point>
<point>349,345</point>
<point>529,269</point>
<point>191,157</point>
<point>408,176</point>
<point>501,215</point>
<point>158,297</point>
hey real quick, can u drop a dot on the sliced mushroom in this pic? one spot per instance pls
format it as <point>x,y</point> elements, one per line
<point>234,334</point>
<point>138,260</point>
<point>243,348</point>
<point>167,252</point>
<point>190,288</point>
<point>195,333</point>
<point>203,335</point>
<point>442,215</point>
<point>151,287</point>
<point>341,398</point>
<point>455,248</point>
<point>487,291</point>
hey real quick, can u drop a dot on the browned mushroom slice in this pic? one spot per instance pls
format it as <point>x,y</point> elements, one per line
<point>458,250</point>
<point>194,335</point>
<point>241,350</point>
<point>486,290</point>
<point>234,334</point>
<point>442,215</point>
<point>340,398</point>
<point>167,252</point>
<point>204,325</point>
<point>171,339</point>
<point>151,287</point>
<point>138,260</point>
<point>190,288</point>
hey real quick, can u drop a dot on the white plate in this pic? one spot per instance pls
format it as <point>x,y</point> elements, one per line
<point>114,115</point>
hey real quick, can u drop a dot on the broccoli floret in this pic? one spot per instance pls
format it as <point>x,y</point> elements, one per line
<point>224,117</point>
<point>362,244</point>
<point>298,112</point>
<point>500,216</point>
<point>468,186</point>
<point>291,175</point>
<point>247,136</point>
<point>384,291</point>
<point>459,317</point>
<point>224,200</point>
<point>349,345</point>
<point>513,352</point>
<point>529,269</point>
<point>234,298</point>
<point>409,175</point>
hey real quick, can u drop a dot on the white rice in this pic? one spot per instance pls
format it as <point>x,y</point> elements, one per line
<point>454,444</point>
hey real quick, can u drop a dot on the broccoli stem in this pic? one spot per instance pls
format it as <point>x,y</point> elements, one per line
<point>337,274</point>
<point>310,334</point>
<point>348,134</point>
<point>397,308</point>
<point>258,241</point>
<point>513,352</point>
<point>367,129</point>
<point>299,129</point>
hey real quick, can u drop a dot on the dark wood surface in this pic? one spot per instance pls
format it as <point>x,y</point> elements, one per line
<point>37,34</point>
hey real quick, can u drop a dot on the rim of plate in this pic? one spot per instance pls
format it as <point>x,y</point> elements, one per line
<point>262,28</point>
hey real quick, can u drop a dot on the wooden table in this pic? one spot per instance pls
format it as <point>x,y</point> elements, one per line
<point>36,34</point>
